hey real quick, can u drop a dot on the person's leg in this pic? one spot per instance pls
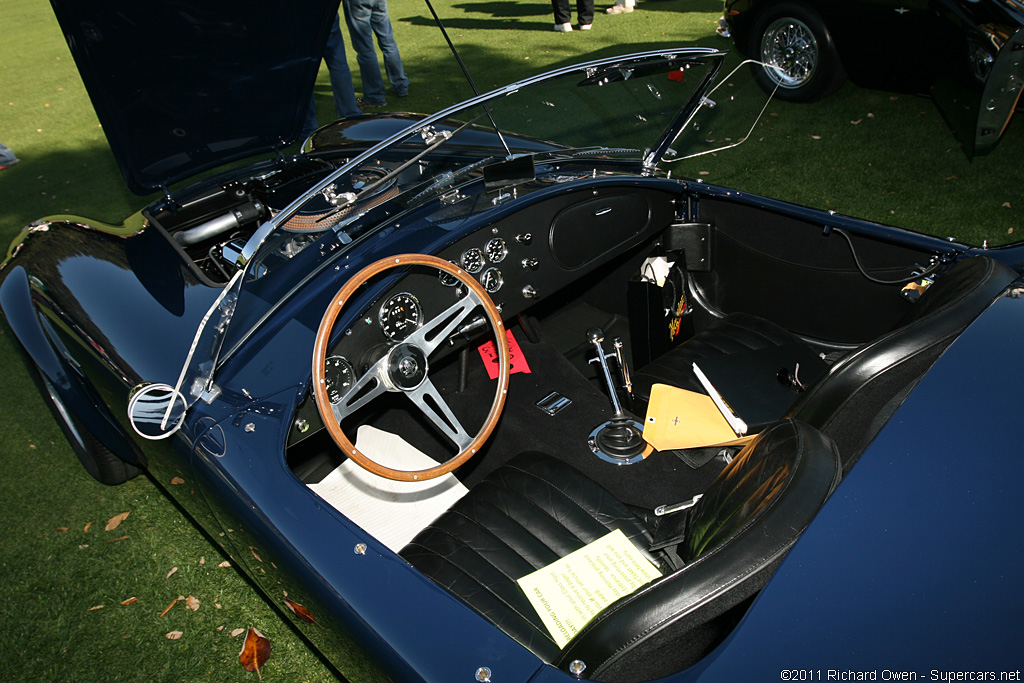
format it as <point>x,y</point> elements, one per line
<point>357,16</point>
<point>389,48</point>
<point>563,15</point>
<point>341,76</point>
<point>585,12</point>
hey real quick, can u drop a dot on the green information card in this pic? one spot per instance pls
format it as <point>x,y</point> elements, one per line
<point>573,590</point>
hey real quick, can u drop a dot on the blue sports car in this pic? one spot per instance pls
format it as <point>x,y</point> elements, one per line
<point>418,369</point>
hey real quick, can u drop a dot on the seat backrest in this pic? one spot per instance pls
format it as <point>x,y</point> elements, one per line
<point>739,531</point>
<point>862,389</point>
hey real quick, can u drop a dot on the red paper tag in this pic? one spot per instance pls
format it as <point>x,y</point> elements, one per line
<point>489,354</point>
<point>676,75</point>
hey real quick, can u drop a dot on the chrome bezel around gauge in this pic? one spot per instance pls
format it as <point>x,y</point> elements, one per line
<point>411,316</point>
<point>496,250</point>
<point>492,280</point>
<point>446,278</point>
<point>336,369</point>
<point>472,260</point>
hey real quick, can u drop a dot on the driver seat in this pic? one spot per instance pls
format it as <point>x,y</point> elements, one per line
<point>536,508</point>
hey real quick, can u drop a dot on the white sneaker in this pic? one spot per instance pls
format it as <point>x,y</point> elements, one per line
<point>585,27</point>
<point>619,9</point>
<point>563,28</point>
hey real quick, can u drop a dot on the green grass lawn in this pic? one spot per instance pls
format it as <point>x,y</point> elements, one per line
<point>888,158</point>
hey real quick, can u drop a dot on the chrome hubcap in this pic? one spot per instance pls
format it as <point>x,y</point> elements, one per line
<point>789,46</point>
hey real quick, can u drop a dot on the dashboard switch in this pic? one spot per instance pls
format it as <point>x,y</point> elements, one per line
<point>529,292</point>
<point>530,264</point>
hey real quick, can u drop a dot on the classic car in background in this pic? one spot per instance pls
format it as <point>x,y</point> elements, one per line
<point>968,54</point>
<point>374,361</point>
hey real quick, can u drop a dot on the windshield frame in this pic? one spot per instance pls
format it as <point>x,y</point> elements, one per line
<point>204,358</point>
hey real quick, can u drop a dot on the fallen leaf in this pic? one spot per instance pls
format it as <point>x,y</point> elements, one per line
<point>192,603</point>
<point>129,601</point>
<point>119,538</point>
<point>173,603</point>
<point>237,632</point>
<point>115,521</point>
<point>62,528</point>
<point>219,628</point>
<point>223,564</point>
<point>171,573</point>
<point>86,529</point>
<point>815,137</point>
<point>96,607</point>
<point>86,545</point>
<point>855,122</point>
<point>299,611</point>
<point>255,651</point>
<point>1007,205</point>
<point>202,561</point>
<point>253,551</point>
<point>174,635</point>
<point>177,480</point>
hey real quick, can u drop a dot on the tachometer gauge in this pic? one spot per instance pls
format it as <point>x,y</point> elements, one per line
<point>473,260</point>
<point>400,316</point>
<point>492,280</point>
<point>338,378</point>
<point>496,250</point>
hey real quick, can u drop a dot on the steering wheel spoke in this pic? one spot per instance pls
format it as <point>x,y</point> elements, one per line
<point>434,332</point>
<point>365,389</point>
<point>434,407</point>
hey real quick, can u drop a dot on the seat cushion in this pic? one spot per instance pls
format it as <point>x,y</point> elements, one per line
<point>524,516</point>
<point>735,333</point>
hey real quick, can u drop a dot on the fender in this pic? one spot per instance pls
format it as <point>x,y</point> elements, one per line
<point>58,369</point>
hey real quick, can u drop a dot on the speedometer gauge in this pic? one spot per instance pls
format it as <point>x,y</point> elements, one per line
<point>338,378</point>
<point>400,316</point>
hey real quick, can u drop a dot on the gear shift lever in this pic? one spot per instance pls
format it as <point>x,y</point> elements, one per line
<point>619,439</point>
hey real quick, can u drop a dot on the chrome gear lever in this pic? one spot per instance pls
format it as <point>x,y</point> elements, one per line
<point>618,440</point>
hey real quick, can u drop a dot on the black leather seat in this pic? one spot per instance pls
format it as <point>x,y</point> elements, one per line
<point>536,509</point>
<point>864,387</point>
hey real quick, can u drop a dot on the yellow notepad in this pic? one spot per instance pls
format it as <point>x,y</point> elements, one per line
<point>571,591</point>
<point>677,418</point>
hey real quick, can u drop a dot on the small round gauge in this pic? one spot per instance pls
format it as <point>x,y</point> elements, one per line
<point>473,260</point>
<point>447,279</point>
<point>338,378</point>
<point>492,280</point>
<point>400,316</point>
<point>496,250</point>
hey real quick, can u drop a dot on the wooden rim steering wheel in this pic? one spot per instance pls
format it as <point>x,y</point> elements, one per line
<point>404,369</point>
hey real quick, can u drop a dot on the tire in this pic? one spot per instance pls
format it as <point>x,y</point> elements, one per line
<point>103,465</point>
<point>795,38</point>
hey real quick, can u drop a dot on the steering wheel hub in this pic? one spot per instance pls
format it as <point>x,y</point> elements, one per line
<point>407,367</point>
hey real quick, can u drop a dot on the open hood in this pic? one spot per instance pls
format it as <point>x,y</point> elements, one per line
<point>184,86</point>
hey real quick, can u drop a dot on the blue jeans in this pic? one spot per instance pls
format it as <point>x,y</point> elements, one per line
<point>366,18</point>
<point>341,82</point>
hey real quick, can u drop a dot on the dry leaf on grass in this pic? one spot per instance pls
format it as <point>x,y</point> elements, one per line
<point>235,632</point>
<point>223,564</point>
<point>86,529</point>
<point>115,521</point>
<point>255,651</point>
<point>173,603</point>
<point>171,573</point>
<point>129,601</point>
<point>115,540</point>
<point>177,480</point>
<point>175,635</point>
<point>96,607</point>
<point>192,603</point>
